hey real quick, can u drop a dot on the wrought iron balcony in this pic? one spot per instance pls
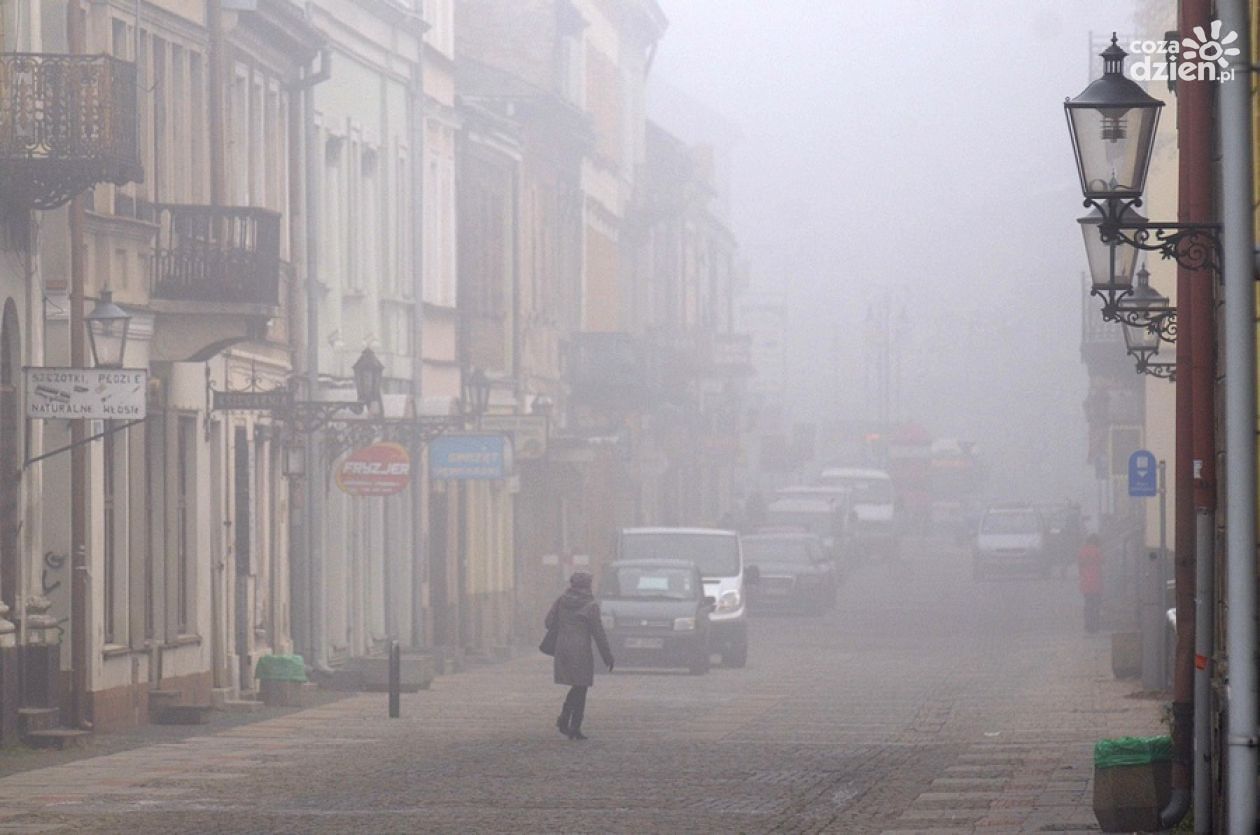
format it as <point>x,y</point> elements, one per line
<point>67,122</point>
<point>217,254</point>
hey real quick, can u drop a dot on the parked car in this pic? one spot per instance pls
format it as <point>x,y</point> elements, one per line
<point>873,518</point>
<point>1011,539</point>
<point>796,573</point>
<point>718,556</point>
<point>824,511</point>
<point>656,614</point>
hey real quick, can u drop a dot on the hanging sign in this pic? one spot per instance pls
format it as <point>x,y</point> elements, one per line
<point>86,393</point>
<point>1143,475</point>
<point>376,470</point>
<point>470,458</point>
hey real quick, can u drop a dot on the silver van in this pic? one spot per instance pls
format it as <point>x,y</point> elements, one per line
<point>718,555</point>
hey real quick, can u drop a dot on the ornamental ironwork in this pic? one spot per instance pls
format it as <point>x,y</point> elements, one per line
<point>217,254</point>
<point>1163,370</point>
<point>1194,246</point>
<point>67,122</point>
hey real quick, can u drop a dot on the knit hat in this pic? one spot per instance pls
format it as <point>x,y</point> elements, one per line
<point>580,580</point>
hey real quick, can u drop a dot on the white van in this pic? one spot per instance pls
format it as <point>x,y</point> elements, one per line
<point>873,517</point>
<point>720,559</point>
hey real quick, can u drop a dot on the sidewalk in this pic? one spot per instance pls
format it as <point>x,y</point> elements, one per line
<point>1035,773</point>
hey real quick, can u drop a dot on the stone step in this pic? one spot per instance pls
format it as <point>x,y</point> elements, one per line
<point>165,697</point>
<point>31,719</point>
<point>179,714</point>
<point>240,706</point>
<point>58,738</point>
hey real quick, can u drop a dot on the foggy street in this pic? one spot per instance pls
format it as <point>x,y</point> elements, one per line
<point>925,701</point>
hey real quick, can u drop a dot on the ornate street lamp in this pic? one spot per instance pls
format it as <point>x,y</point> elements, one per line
<point>107,326</point>
<point>1142,343</point>
<point>476,392</point>
<point>368,371</point>
<point>1113,124</point>
<point>1110,264</point>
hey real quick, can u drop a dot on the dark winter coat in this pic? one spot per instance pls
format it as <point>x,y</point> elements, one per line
<point>578,616</point>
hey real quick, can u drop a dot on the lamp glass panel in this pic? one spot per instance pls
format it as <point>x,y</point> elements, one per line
<point>1113,148</point>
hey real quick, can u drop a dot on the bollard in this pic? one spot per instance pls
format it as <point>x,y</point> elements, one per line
<point>395,676</point>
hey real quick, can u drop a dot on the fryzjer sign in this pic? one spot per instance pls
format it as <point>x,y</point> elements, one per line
<point>376,470</point>
<point>469,458</point>
<point>86,393</point>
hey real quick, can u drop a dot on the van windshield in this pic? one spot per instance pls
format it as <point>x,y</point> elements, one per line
<point>864,490</point>
<point>714,555</point>
<point>650,583</point>
<point>1011,522</point>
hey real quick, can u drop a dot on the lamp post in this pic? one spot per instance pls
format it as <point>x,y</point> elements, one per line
<point>368,372</point>
<point>1113,123</point>
<point>476,393</point>
<point>107,326</point>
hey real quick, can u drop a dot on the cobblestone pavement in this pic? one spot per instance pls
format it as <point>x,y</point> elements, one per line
<point>926,703</point>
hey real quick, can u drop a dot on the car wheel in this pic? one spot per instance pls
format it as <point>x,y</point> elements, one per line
<point>736,656</point>
<point>700,664</point>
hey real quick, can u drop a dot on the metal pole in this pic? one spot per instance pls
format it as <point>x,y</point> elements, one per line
<point>1239,318</point>
<point>79,633</point>
<point>1204,648</point>
<point>1163,568</point>
<point>1153,606</point>
<point>395,676</point>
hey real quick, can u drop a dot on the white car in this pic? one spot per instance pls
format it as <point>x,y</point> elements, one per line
<point>873,519</point>
<point>1011,540</point>
<point>720,558</point>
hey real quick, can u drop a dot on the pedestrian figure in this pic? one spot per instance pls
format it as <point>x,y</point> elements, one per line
<point>1089,570</point>
<point>575,617</point>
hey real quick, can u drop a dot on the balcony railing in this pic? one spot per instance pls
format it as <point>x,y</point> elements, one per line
<point>67,122</point>
<point>217,254</point>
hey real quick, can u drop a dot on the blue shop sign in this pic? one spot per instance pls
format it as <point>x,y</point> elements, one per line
<point>469,458</point>
<point>1143,474</point>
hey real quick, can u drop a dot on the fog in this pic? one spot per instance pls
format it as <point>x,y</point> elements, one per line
<point>915,149</point>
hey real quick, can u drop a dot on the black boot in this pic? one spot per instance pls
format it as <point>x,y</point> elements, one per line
<point>563,722</point>
<point>575,722</point>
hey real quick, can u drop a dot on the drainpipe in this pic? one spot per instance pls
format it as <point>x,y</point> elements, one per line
<point>1195,455</point>
<point>300,546</point>
<point>1239,319</point>
<point>80,652</point>
<point>312,592</point>
<point>420,488</point>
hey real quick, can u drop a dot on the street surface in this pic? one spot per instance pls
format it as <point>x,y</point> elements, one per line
<point>926,702</point>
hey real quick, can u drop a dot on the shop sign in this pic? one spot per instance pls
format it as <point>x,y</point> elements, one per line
<point>470,458</point>
<point>376,470</point>
<point>86,393</point>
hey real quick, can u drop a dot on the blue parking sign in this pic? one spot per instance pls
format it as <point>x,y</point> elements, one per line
<point>1143,474</point>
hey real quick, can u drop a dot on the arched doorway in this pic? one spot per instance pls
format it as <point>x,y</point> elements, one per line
<point>10,451</point>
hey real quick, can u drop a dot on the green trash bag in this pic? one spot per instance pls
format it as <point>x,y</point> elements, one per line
<point>1132,750</point>
<point>280,668</point>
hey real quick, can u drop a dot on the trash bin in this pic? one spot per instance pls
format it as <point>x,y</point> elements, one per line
<point>280,679</point>
<point>1132,782</point>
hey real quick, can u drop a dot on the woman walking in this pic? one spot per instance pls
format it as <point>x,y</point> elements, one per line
<point>1089,571</point>
<point>575,617</point>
